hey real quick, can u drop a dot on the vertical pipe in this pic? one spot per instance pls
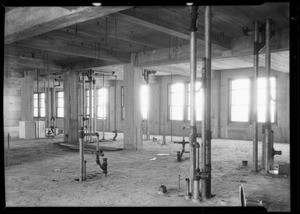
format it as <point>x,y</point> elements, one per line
<point>208,97</point>
<point>268,149</point>
<point>49,102</point>
<point>90,103</point>
<point>115,105</point>
<point>37,135</point>
<point>193,75</point>
<point>103,122</point>
<point>95,110</point>
<point>203,130</point>
<point>254,94</point>
<point>148,112</point>
<point>83,102</point>
<point>81,158</point>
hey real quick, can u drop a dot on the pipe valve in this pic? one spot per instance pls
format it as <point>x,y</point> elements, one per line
<point>200,175</point>
<point>274,152</point>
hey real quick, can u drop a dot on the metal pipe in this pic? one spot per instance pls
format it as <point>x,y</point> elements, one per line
<point>207,36</point>
<point>81,156</point>
<point>188,192</point>
<point>38,103</point>
<point>268,149</point>
<point>49,102</point>
<point>95,110</point>
<point>103,122</point>
<point>115,108</point>
<point>203,130</point>
<point>83,102</point>
<point>90,103</point>
<point>254,94</point>
<point>193,76</point>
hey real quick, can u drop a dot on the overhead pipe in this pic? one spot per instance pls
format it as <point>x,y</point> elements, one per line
<point>193,76</point>
<point>254,94</point>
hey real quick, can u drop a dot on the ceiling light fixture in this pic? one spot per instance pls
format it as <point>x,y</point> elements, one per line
<point>96,4</point>
<point>189,3</point>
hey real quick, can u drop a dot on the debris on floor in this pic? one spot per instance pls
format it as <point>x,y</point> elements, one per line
<point>153,158</point>
<point>162,190</point>
<point>162,154</point>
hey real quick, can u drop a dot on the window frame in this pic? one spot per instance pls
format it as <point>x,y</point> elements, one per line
<point>169,101</point>
<point>106,105</point>
<point>56,97</point>
<point>39,104</point>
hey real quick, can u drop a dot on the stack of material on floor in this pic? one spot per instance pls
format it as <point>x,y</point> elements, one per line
<point>249,202</point>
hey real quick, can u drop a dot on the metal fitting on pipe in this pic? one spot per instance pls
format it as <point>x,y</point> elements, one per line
<point>188,193</point>
<point>274,152</point>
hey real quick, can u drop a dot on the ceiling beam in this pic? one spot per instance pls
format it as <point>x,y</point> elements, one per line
<point>171,26</point>
<point>23,63</point>
<point>25,22</point>
<point>63,47</point>
<point>243,46</point>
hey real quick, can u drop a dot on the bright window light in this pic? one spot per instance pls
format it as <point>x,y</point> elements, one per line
<point>144,94</point>
<point>102,103</point>
<point>176,101</point>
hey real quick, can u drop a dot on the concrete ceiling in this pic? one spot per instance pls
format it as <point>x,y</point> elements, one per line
<point>103,38</point>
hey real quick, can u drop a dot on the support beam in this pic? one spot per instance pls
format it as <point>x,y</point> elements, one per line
<point>133,137</point>
<point>167,25</point>
<point>63,47</point>
<point>27,98</point>
<point>25,22</point>
<point>19,62</point>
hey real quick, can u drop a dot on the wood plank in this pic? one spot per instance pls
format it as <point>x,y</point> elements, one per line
<point>25,22</point>
<point>63,47</point>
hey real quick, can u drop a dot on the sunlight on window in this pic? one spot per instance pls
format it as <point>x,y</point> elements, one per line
<point>60,104</point>
<point>102,103</point>
<point>199,100</point>
<point>88,102</point>
<point>240,99</point>
<point>144,94</point>
<point>176,101</point>
<point>261,99</point>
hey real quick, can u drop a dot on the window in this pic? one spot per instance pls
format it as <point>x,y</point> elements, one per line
<point>60,104</point>
<point>122,104</point>
<point>88,103</point>
<point>239,100</point>
<point>39,106</point>
<point>102,103</point>
<point>261,99</point>
<point>144,94</point>
<point>176,101</point>
<point>199,101</point>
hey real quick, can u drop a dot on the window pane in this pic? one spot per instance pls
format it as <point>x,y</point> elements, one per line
<point>43,112</point>
<point>240,97</point>
<point>144,95</point>
<point>177,99</point>
<point>42,95</point>
<point>60,112</point>
<point>35,96</point>
<point>239,113</point>
<point>35,112</point>
<point>261,112</point>
<point>176,113</point>
<point>42,103</point>
<point>35,103</point>
<point>60,102</point>
<point>261,97</point>
<point>240,84</point>
<point>177,87</point>
<point>60,94</point>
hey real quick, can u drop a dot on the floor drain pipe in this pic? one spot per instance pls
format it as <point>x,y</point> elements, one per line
<point>188,192</point>
<point>97,148</point>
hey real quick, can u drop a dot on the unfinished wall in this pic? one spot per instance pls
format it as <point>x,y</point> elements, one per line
<point>244,130</point>
<point>12,102</point>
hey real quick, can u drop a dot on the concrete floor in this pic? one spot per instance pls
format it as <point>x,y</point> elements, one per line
<point>42,173</point>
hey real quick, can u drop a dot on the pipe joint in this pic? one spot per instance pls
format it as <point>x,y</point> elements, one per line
<point>81,133</point>
<point>275,152</point>
<point>200,175</point>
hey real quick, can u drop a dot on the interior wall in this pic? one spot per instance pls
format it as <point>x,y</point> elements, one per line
<point>12,102</point>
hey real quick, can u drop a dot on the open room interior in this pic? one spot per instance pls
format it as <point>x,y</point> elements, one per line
<point>185,105</point>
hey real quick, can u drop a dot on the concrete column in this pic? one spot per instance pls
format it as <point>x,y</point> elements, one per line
<point>133,117</point>
<point>27,98</point>
<point>71,123</point>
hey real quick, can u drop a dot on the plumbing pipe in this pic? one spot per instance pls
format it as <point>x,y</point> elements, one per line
<point>268,131</point>
<point>203,130</point>
<point>95,107</point>
<point>81,155</point>
<point>196,195</point>
<point>103,122</point>
<point>207,36</point>
<point>188,192</point>
<point>84,170</point>
<point>193,76</point>
<point>38,103</point>
<point>90,103</point>
<point>115,109</point>
<point>83,102</point>
<point>254,94</point>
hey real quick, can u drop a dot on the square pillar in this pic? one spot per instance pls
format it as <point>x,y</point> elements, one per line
<point>71,90</point>
<point>133,138</point>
